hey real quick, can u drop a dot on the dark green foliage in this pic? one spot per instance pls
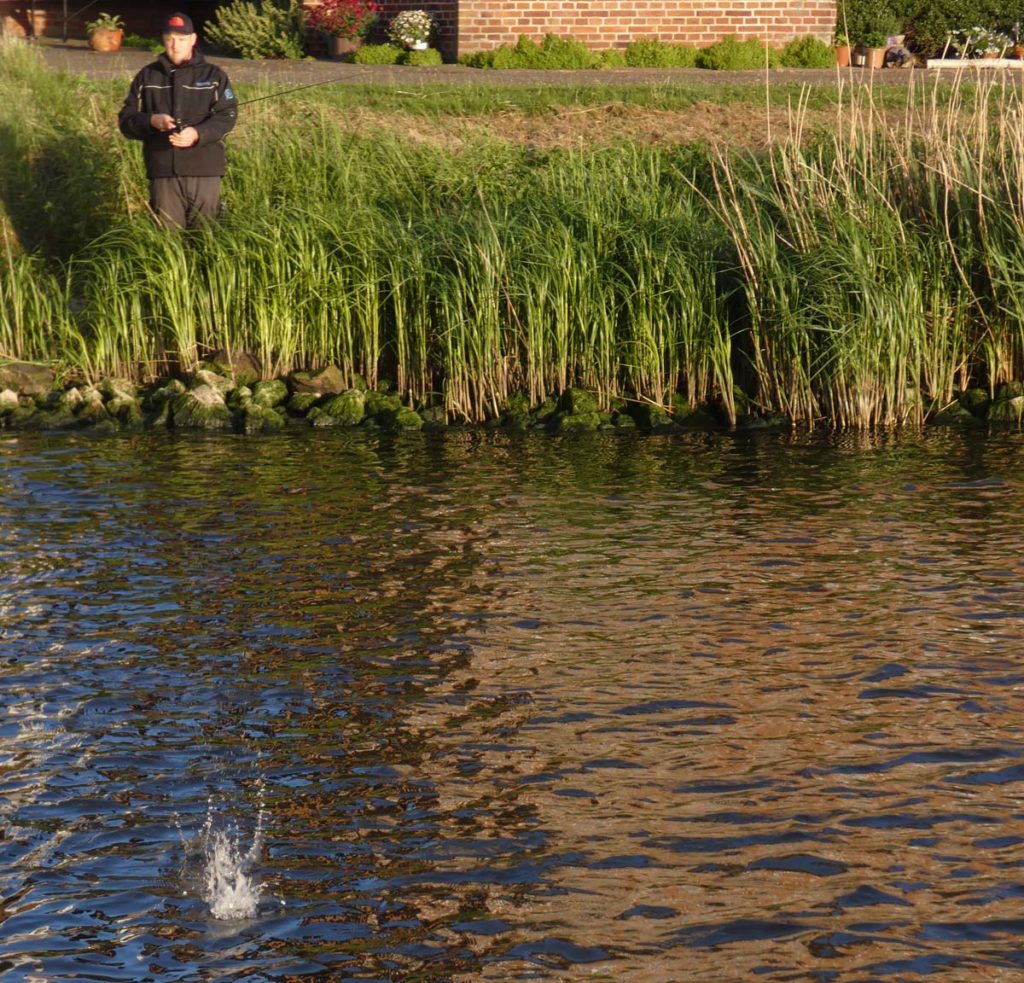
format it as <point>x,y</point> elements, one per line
<point>552,53</point>
<point>259,29</point>
<point>378,54</point>
<point>732,55</point>
<point>651,53</point>
<point>807,53</point>
<point>422,58</point>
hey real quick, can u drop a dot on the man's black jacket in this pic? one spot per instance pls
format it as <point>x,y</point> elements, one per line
<point>196,94</point>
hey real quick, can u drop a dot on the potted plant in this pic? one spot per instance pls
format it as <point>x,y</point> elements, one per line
<point>874,45</point>
<point>344,24</point>
<point>842,46</point>
<point>986,43</point>
<point>106,32</point>
<point>412,29</point>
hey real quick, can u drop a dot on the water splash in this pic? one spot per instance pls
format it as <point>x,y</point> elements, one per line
<point>227,882</point>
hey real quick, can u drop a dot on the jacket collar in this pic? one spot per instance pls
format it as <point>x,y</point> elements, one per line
<point>168,66</point>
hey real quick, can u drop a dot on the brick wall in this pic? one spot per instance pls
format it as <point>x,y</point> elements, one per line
<point>475,25</point>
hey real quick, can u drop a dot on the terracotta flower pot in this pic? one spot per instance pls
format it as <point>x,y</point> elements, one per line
<point>341,49</point>
<point>875,58</point>
<point>843,55</point>
<point>105,40</point>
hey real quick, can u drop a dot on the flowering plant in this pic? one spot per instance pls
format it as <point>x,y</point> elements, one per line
<point>411,27</point>
<point>344,18</point>
<point>984,39</point>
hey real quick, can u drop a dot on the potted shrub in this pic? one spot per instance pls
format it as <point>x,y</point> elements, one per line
<point>412,29</point>
<point>106,32</point>
<point>344,24</point>
<point>873,46</point>
<point>986,43</point>
<point>842,46</point>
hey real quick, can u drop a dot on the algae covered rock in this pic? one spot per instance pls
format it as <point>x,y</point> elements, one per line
<point>201,408</point>
<point>204,377</point>
<point>302,403</point>
<point>8,401</point>
<point>269,394</point>
<point>577,402</point>
<point>26,378</point>
<point>126,410</point>
<point>975,401</point>
<point>650,416</point>
<point>243,368</point>
<point>575,422</point>
<point>118,389</point>
<point>326,382</point>
<point>347,409</point>
<point>1007,411</point>
<point>91,409</point>
<point>253,418</point>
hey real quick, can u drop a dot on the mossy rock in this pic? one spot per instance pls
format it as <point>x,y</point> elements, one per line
<point>241,367</point>
<point>202,408</point>
<point>126,410</point>
<point>118,388</point>
<point>518,404</point>
<point>1009,390</point>
<point>518,422</point>
<point>270,393</point>
<point>621,420</point>
<point>650,416</point>
<point>92,410</point>
<point>26,378</point>
<point>154,400</point>
<point>70,398</point>
<point>577,402</point>
<point>381,406</point>
<point>238,399</point>
<point>347,408</point>
<point>434,416</point>
<point>545,411</point>
<point>1007,411</point>
<point>254,418</point>
<point>954,415</point>
<point>975,401</point>
<point>8,401</point>
<point>327,382</point>
<point>575,422</point>
<point>212,380</point>
<point>302,403</point>
<point>408,419</point>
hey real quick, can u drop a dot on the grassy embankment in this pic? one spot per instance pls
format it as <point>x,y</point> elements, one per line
<point>863,275</point>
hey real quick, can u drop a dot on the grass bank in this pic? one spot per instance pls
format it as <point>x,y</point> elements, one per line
<point>864,274</point>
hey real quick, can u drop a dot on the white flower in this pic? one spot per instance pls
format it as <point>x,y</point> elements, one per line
<point>411,26</point>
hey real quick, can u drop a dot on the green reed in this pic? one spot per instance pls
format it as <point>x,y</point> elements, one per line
<point>861,277</point>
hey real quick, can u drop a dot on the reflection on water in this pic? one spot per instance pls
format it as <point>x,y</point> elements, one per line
<point>615,708</point>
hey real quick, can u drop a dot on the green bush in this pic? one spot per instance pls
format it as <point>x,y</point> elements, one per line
<point>136,41</point>
<point>807,53</point>
<point>421,58</point>
<point>378,54</point>
<point>552,53</point>
<point>928,25</point>
<point>651,53</point>
<point>733,55</point>
<point>259,29</point>
<point>612,58</point>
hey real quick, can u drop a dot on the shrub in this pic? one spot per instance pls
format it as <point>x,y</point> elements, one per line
<point>259,29</point>
<point>732,55</point>
<point>378,54</point>
<point>552,53</point>
<point>421,59</point>
<point>651,53</point>
<point>136,41</point>
<point>930,24</point>
<point>807,53</point>
<point>611,58</point>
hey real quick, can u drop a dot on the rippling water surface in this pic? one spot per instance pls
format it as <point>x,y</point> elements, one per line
<point>484,708</point>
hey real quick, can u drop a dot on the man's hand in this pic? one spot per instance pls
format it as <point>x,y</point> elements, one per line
<point>188,137</point>
<point>162,122</point>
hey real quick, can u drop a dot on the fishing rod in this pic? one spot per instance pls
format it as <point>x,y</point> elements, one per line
<point>275,95</point>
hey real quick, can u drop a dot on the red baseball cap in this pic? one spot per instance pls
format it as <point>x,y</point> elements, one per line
<point>178,24</point>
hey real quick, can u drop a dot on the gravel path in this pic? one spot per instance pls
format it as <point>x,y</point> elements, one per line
<point>76,58</point>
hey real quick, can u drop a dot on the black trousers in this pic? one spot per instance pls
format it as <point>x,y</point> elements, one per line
<point>178,202</point>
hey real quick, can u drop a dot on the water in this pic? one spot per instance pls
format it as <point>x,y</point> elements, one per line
<point>475,707</point>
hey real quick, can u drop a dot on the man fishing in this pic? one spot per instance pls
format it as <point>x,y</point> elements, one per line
<point>181,107</point>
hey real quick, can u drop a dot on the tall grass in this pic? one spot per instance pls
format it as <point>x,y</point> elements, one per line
<point>862,277</point>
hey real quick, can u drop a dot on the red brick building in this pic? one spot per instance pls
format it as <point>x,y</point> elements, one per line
<point>475,25</point>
